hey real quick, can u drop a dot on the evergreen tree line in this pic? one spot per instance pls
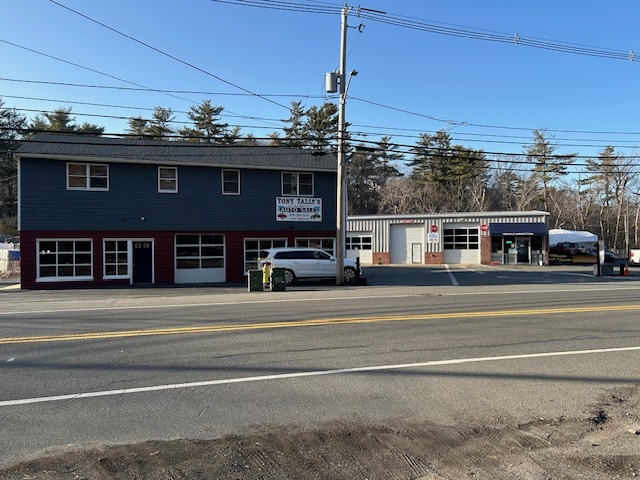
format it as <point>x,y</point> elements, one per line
<point>435,175</point>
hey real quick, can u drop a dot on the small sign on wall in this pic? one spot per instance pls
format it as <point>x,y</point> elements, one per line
<point>433,237</point>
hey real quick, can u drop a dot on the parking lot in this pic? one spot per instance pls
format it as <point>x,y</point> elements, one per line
<point>479,275</point>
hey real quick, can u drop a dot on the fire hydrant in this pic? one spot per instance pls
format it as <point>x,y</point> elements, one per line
<point>266,276</point>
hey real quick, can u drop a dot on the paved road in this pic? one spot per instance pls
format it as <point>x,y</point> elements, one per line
<point>432,343</point>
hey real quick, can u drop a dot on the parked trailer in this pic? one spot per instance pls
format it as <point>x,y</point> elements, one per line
<point>634,257</point>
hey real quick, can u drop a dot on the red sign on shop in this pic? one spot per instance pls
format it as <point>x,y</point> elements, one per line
<point>484,228</point>
<point>434,228</point>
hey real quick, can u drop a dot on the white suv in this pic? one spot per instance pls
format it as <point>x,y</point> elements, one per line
<point>302,262</point>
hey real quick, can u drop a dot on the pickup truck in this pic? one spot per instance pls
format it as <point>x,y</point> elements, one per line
<point>566,249</point>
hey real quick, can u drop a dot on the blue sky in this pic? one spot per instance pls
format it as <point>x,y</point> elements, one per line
<point>487,94</point>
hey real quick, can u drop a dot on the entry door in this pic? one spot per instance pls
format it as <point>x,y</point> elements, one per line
<point>416,253</point>
<point>522,245</point>
<point>142,262</point>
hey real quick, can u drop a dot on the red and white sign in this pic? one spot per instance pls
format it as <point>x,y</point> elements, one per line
<point>433,228</point>
<point>484,227</point>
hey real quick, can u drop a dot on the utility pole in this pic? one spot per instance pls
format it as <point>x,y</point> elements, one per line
<point>341,212</point>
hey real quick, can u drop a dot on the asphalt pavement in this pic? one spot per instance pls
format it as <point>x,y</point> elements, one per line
<point>433,275</point>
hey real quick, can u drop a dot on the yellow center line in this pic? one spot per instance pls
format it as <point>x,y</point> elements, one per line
<point>310,323</point>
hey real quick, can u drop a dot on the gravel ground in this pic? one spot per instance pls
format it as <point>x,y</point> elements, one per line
<point>601,442</point>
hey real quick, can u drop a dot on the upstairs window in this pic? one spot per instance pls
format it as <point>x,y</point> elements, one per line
<point>167,180</point>
<point>231,182</point>
<point>87,176</point>
<point>298,184</point>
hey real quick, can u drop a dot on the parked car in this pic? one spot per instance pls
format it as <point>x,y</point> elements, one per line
<point>302,262</point>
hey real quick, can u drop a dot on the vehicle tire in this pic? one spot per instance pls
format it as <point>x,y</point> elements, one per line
<point>289,277</point>
<point>349,275</point>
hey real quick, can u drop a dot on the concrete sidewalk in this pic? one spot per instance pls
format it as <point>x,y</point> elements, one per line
<point>10,283</point>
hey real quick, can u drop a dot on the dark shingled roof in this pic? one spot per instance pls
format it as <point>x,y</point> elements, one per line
<point>87,147</point>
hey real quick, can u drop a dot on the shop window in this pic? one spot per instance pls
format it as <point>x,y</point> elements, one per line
<point>65,260</point>
<point>254,249</point>
<point>116,259</point>
<point>326,244</point>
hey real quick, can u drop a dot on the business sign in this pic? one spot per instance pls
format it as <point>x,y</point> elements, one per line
<point>433,237</point>
<point>298,209</point>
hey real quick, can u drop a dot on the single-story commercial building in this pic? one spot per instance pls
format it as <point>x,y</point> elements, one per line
<point>451,238</point>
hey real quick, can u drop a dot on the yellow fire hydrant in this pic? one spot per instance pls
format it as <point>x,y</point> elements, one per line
<point>266,276</point>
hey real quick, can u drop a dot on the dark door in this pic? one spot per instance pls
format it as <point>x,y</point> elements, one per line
<point>142,262</point>
<point>523,249</point>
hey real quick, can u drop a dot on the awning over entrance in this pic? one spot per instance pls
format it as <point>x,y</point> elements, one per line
<point>535,228</point>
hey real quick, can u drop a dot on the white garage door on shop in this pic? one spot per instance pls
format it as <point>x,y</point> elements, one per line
<point>359,246</point>
<point>406,243</point>
<point>199,258</point>
<point>461,244</point>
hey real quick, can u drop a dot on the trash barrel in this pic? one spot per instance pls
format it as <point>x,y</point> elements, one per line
<point>278,282</point>
<point>255,280</point>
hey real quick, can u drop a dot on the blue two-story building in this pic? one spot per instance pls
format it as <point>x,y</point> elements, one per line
<point>98,211</point>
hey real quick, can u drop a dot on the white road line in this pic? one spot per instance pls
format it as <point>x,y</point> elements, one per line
<point>581,289</point>
<point>454,282</point>
<point>340,371</point>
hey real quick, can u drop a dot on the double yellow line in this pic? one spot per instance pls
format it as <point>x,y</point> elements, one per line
<point>309,323</point>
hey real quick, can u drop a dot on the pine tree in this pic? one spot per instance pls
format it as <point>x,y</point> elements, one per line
<point>548,167</point>
<point>12,125</point>
<point>207,125</point>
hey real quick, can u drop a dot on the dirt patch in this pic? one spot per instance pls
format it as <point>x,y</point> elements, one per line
<point>602,442</point>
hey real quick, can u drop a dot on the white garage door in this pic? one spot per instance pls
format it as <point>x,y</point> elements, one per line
<point>199,259</point>
<point>359,246</point>
<point>406,244</point>
<point>461,244</point>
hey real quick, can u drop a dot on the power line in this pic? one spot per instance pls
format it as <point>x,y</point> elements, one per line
<point>460,138</point>
<point>329,10</point>
<point>446,29</point>
<point>86,68</point>
<point>285,6</point>
<point>378,104</point>
<point>192,92</point>
<point>409,149</point>
<point>116,117</point>
<point>172,57</point>
<point>127,107</point>
<point>468,124</point>
<point>362,136</point>
<point>476,34</point>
